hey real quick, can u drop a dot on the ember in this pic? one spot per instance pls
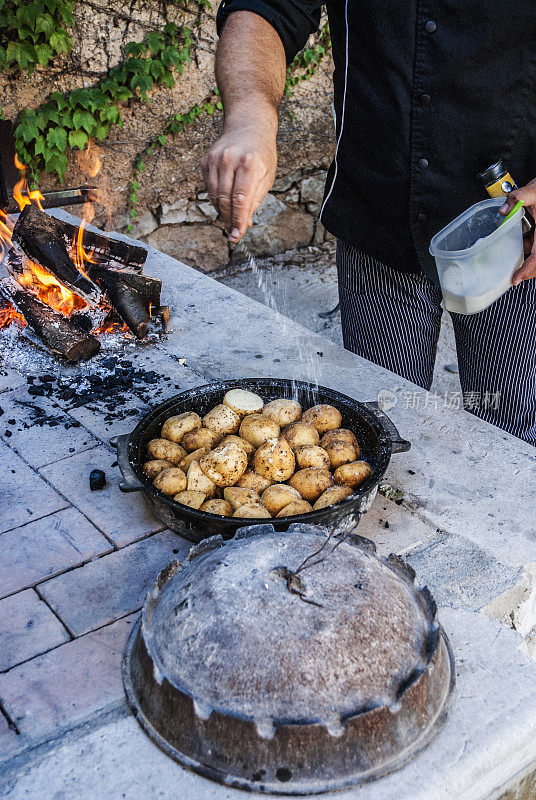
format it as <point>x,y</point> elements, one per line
<point>9,315</point>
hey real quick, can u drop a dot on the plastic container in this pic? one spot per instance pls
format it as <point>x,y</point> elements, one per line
<point>475,258</point>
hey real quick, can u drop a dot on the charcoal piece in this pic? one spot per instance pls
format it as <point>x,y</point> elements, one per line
<point>36,391</point>
<point>130,294</point>
<point>97,479</point>
<point>41,239</point>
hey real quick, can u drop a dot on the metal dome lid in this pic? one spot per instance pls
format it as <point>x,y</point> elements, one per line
<point>286,662</point>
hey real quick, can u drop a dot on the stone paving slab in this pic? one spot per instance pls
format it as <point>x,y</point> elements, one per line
<point>460,574</point>
<point>10,741</point>
<point>27,627</point>
<point>103,422</point>
<point>123,517</point>
<point>393,528</point>
<point>113,586</point>
<point>46,547</point>
<point>25,496</point>
<point>470,759</point>
<point>39,429</point>
<point>68,685</point>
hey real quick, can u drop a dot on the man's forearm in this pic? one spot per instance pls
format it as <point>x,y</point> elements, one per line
<point>250,71</point>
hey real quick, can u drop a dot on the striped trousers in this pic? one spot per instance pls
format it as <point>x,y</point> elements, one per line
<point>393,319</point>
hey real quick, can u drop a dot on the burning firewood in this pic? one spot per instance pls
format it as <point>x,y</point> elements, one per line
<point>41,238</point>
<point>60,334</point>
<point>131,295</point>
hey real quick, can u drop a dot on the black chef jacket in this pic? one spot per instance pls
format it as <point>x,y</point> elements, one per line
<point>427,94</point>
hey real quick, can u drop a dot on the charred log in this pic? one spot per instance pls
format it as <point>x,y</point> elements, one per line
<point>61,335</point>
<point>130,294</point>
<point>41,238</point>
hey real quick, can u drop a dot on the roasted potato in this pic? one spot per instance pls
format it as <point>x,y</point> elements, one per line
<point>312,455</point>
<point>243,402</point>
<point>275,460</point>
<point>220,507</point>
<point>299,434</point>
<point>340,452</point>
<point>225,465</point>
<point>251,480</point>
<point>197,455</point>
<point>256,429</point>
<point>175,428</point>
<point>245,445</point>
<point>323,417</point>
<point>222,420</point>
<point>238,496</point>
<point>252,511</point>
<point>198,481</point>
<point>201,437</point>
<point>170,481</point>
<point>154,467</point>
<point>332,495</point>
<point>277,496</point>
<point>282,411</point>
<point>295,508</point>
<point>311,482</point>
<point>192,499</point>
<point>353,474</point>
<point>340,434</point>
<point>165,450</point>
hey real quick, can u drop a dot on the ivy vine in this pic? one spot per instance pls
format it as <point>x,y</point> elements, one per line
<point>32,33</point>
<point>308,60</point>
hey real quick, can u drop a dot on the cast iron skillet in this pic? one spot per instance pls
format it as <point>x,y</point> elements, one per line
<point>377,436</point>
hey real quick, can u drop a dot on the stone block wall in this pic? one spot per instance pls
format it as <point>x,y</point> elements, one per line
<point>174,213</point>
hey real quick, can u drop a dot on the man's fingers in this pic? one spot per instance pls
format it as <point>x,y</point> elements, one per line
<point>247,179</point>
<point>210,175</point>
<point>527,269</point>
<point>526,193</point>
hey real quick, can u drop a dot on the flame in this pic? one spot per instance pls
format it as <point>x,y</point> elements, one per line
<point>48,289</point>
<point>89,160</point>
<point>111,327</point>
<point>5,233</point>
<point>22,195</point>
<point>9,315</point>
<point>77,252</point>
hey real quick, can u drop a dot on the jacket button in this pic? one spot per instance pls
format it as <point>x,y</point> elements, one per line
<point>430,26</point>
<point>421,217</point>
<point>423,163</point>
<point>425,99</point>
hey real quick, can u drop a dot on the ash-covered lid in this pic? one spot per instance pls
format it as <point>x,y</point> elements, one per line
<point>288,626</point>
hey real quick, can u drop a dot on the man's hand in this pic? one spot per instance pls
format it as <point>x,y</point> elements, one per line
<point>528,195</point>
<point>238,171</point>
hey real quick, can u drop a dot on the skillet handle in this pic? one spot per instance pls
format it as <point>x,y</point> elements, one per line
<point>130,482</point>
<point>398,445</point>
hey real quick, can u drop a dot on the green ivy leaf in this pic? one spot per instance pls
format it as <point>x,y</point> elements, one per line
<point>83,119</point>
<point>161,139</point>
<point>57,137</point>
<point>44,54</point>
<point>155,42</point>
<point>60,41</point>
<point>135,49</point>
<point>78,139</point>
<point>143,83</point>
<point>56,162</point>
<point>45,24</point>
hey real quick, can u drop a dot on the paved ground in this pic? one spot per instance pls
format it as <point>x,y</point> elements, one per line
<point>75,564</point>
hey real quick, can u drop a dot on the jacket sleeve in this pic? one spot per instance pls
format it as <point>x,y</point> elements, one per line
<point>294,20</point>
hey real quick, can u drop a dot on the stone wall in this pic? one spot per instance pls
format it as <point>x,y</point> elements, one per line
<point>174,214</point>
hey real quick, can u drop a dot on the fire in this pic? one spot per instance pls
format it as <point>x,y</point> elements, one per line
<point>78,254</point>
<point>9,315</point>
<point>21,193</point>
<point>49,290</point>
<point>89,160</point>
<point>5,233</point>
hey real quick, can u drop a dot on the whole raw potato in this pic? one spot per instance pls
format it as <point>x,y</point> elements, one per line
<point>275,460</point>
<point>198,481</point>
<point>252,511</point>
<point>170,481</point>
<point>256,429</point>
<point>238,496</point>
<point>152,468</point>
<point>311,482</point>
<point>332,495</point>
<point>191,499</point>
<point>283,411</point>
<point>251,480</point>
<point>340,452</point>
<point>225,465</point>
<point>340,434</point>
<point>197,455</point>
<point>312,455</point>
<point>276,497</point>
<point>353,474</point>
<point>294,508</point>
<point>247,446</point>
<point>166,450</point>
<point>201,437</point>
<point>299,434</point>
<point>243,402</point>
<point>220,507</point>
<point>174,428</point>
<point>323,417</point>
<point>222,420</point>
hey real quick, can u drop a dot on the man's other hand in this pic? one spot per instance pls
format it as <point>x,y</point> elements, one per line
<point>528,195</point>
<point>239,170</point>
